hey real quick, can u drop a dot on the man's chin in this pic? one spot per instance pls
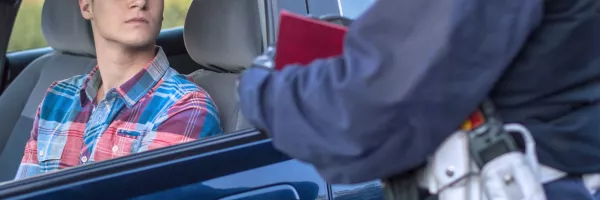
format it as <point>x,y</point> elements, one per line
<point>139,45</point>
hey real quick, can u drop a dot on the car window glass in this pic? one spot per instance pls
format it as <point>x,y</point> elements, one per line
<point>27,31</point>
<point>175,12</point>
<point>353,8</point>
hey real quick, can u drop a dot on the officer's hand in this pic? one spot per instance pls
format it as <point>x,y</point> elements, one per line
<point>267,59</point>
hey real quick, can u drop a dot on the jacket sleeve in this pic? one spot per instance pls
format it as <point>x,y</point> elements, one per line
<point>411,72</point>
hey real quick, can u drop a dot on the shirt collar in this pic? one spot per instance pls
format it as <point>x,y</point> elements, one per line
<point>135,88</point>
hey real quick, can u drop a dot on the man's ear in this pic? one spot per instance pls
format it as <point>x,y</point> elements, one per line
<point>86,9</point>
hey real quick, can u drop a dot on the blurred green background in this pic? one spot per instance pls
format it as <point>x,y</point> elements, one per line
<point>27,32</point>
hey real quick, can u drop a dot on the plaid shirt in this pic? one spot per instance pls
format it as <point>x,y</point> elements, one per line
<point>155,108</point>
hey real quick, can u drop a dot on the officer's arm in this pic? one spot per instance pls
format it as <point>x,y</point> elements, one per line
<point>411,72</point>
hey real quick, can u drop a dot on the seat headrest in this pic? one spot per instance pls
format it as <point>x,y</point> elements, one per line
<point>65,29</point>
<point>223,33</point>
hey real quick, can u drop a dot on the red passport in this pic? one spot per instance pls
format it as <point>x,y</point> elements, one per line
<point>302,40</point>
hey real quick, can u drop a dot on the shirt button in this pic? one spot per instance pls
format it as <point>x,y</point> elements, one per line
<point>41,153</point>
<point>84,159</point>
<point>115,148</point>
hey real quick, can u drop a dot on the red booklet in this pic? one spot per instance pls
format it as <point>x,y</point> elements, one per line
<point>301,40</point>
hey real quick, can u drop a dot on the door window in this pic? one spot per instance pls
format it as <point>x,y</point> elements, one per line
<point>27,31</point>
<point>353,8</point>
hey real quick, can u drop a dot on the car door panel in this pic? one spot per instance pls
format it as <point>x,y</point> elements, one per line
<point>215,167</point>
<point>365,191</point>
<point>280,191</point>
<point>301,177</point>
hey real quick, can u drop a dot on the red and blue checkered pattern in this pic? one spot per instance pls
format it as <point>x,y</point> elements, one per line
<point>156,108</point>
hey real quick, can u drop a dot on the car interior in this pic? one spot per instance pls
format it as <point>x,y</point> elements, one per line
<point>213,45</point>
<point>213,48</point>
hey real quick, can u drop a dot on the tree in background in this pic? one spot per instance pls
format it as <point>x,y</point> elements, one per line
<point>27,31</point>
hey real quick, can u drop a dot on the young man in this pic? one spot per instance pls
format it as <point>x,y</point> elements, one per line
<point>131,102</point>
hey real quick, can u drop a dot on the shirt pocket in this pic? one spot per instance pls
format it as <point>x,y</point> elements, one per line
<point>125,142</point>
<point>50,147</point>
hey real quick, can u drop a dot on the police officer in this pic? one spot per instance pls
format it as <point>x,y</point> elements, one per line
<point>413,70</point>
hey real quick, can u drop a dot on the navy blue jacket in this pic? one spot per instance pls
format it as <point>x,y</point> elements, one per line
<point>413,70</point>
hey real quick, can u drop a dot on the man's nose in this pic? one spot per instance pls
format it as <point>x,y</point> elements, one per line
<point>140,4</point>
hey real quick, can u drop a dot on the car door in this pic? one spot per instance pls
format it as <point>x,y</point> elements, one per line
<point>242,165</point>
<point>237,165</point>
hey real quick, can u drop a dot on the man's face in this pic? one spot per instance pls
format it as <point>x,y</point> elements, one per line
<point>133,23</point>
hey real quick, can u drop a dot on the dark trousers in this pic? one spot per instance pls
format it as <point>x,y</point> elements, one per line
<point>569,188</point>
